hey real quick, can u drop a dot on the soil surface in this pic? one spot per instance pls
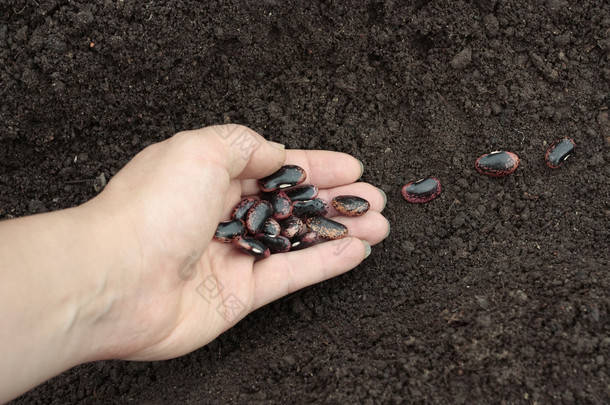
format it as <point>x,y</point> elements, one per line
<point>497,291</point>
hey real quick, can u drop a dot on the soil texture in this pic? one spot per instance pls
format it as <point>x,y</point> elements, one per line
<point>498,291</point>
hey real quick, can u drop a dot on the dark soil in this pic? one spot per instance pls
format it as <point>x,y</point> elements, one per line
<point>499,290</point>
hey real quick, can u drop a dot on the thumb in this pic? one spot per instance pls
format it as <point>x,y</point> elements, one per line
<point>247,154</point>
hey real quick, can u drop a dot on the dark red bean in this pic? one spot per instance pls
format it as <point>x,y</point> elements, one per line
<point>257,215</point>
<point>350,205</point>
<point>271,227</point>
<point>276,244</point>
<point>230,229</point>
<point>497,164</point>
<point>302,193</point>
<point>282,206</point>
<point>558,152</point>
<point>327,228</point>
<point>306,240</point>
<point>309,208</point>
<point>241,210</point>
<point>292,227</point>
<point>251,246</point>
<point>422,191</point>
<point>286,176</point>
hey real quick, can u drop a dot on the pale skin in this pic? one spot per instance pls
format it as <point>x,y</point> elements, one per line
<point>134,273</point>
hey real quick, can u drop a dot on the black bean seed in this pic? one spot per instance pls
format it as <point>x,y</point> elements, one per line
<point>558,152</point>
<point>292,227</point>
<point>350,205</point>
<point>499,163</point>
<point>241,210</point>
<point>285,177</point>
<point>421,191</point>
<point>302,193</point>
<point>309,208</point>
<point>276,244</point>
<point>282,206</point>
<point>327,228</point>
<point>306,240</point>
<point>271,227</point>
<point>257,215</point>
<point>251,246</point>
<point>230,229</point>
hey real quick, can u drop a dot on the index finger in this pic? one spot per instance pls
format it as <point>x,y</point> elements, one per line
<point>324,168</point>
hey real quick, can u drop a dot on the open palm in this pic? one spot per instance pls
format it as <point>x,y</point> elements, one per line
<point>181,289</point>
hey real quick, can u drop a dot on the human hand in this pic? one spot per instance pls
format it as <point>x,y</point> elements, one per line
<point>174,289</point>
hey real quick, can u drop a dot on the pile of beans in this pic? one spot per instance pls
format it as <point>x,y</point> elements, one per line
<point>286,216</point>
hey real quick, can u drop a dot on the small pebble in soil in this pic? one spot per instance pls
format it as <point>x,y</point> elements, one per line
<point>422,191</point>
<point>558,152</point>
<point>350,205</point>
<point>230,229</point>
<point>499,163</point>
<point>285,177</point>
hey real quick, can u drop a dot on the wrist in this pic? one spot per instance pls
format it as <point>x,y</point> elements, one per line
<point>107,270</point>
<point>54,268</point>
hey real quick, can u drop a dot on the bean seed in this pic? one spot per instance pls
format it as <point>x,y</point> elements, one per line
<point>422,191</point>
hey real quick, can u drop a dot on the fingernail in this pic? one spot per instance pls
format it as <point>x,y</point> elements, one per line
<point>367,249</point>
<point>385,197</point>
<point>277,145</point>
<point>389,229</point>
<point>361,167</point>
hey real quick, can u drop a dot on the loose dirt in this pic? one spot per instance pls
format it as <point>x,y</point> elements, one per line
<point>498,291</point>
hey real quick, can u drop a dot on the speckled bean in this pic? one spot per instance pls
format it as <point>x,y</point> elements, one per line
<point>252,246</point>
<point>287,176</point>
<point>306,240</point>
<point>282,205</point>
<point>327,228</point>
<point>558,152</point>
<point>292,227</point>
<point>276,244</point>
<point>421,191</point>
<point>229,229</point>
<point>499,163</point>
<point>350,205</point>
<point>302,193</point>
<point>309,208</point>
<point>257,215</point>
<point>241,209</point>
<point>271,227</point>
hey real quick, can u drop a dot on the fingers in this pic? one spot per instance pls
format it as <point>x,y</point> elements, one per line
<point>240,151</point>
<point>324,168</point>
<point>375,196</point>
<point>371,227</point>
<point>282,274</point>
